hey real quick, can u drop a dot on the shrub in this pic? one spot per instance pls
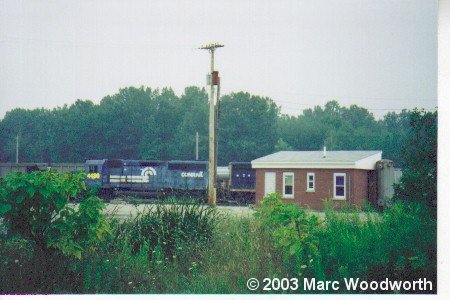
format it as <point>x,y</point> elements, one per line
<point>399,244</point>
<point>35,207</point>
<point>293,231</point>
<point>16,256</point>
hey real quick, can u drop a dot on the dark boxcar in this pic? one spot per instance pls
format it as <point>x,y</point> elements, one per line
<point>187,175</point>
<point>6,168</point>
<point>242,177</point>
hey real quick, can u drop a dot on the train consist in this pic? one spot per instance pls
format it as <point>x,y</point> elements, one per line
<point>158,179</point>
<point>236,183</point>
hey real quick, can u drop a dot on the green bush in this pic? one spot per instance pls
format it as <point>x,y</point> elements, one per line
<point>16,256</point>
<point>293,231</point>
<point>399,244</point>
<point>35,207</point>
<point>190,248</point>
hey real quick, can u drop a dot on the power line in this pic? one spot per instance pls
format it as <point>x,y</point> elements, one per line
<point>62,43</point>
<point>300,106</point>
<point>335,97</point>
<point>369,109</point>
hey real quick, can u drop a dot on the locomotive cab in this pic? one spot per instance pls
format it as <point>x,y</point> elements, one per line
<point>93,169</point>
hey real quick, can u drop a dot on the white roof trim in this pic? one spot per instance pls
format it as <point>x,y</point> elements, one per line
<point>367,163</point>
<point>303,166</point>
<point>303,163</point>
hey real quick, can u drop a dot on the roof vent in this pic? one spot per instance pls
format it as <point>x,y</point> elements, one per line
<point>324,151</point>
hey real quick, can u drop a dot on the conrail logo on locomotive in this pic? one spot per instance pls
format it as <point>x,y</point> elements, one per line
<point>192,174</point>
<point>143,178</point>
<point>149,171</point>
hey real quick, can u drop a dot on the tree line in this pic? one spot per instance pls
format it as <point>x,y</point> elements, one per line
<point>145,123</point>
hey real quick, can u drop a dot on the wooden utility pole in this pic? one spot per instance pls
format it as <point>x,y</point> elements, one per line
<point>196,145</point>
<point>216,127</point>
<point>17,149</point>
<point>212,127</point>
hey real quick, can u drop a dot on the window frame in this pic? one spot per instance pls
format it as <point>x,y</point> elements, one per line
<point>284,185</point>
<point>336,197</point>
<point>313,189</point>
<point>93,169</point>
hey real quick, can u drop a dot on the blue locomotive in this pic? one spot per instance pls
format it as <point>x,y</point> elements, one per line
<point>162,178</point>
<point>150,177</point>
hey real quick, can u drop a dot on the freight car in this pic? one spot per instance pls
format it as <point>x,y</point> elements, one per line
<point>239,184</point>
<point>163,178</point>
<point>6,168</point>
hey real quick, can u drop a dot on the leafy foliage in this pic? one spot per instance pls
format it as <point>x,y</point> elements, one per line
<point>419,178</point>
<point>145,123</point>
<point>35,207</point>
<point>247,127</point>
<point>148,255</point>
<point>399,244</point>
<point>293,231</point>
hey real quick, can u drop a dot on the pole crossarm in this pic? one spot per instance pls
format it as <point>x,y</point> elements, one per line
<point>211,47</point>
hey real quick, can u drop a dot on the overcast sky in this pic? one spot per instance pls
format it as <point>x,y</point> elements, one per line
<point>377,54</point>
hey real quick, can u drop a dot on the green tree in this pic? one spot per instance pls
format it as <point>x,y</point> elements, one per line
<point>144,123</point>
<point>193,117</point>
<point>35,207</point>
<point>248,127</point>
<point>396,127</point>
<point>159,132</point>
<point>419,178</point>
<point>125,118</point>
<point>282,146</point>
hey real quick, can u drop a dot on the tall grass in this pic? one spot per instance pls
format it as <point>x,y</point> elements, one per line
<point>399,244</point>
<point>190,248</point>
<point>236,250</point>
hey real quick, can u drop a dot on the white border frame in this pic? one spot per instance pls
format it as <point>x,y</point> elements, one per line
<point>334,186</point>
<point>284,184</point>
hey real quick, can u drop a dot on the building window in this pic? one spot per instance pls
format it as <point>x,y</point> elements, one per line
<point>288,185</point>
<point>310,182</point>
<point>339,186</point>
<point>93,169</point>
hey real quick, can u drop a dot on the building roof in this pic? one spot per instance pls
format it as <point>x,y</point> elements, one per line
<point>316,159</point>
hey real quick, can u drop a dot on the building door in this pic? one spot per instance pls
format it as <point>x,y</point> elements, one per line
<point>269,183</point>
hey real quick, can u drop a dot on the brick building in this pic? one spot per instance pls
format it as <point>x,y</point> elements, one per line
<point>310,177</point>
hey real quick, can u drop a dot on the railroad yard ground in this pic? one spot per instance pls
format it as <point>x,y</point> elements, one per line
<point>122,209</point>
<point>125,210</point>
